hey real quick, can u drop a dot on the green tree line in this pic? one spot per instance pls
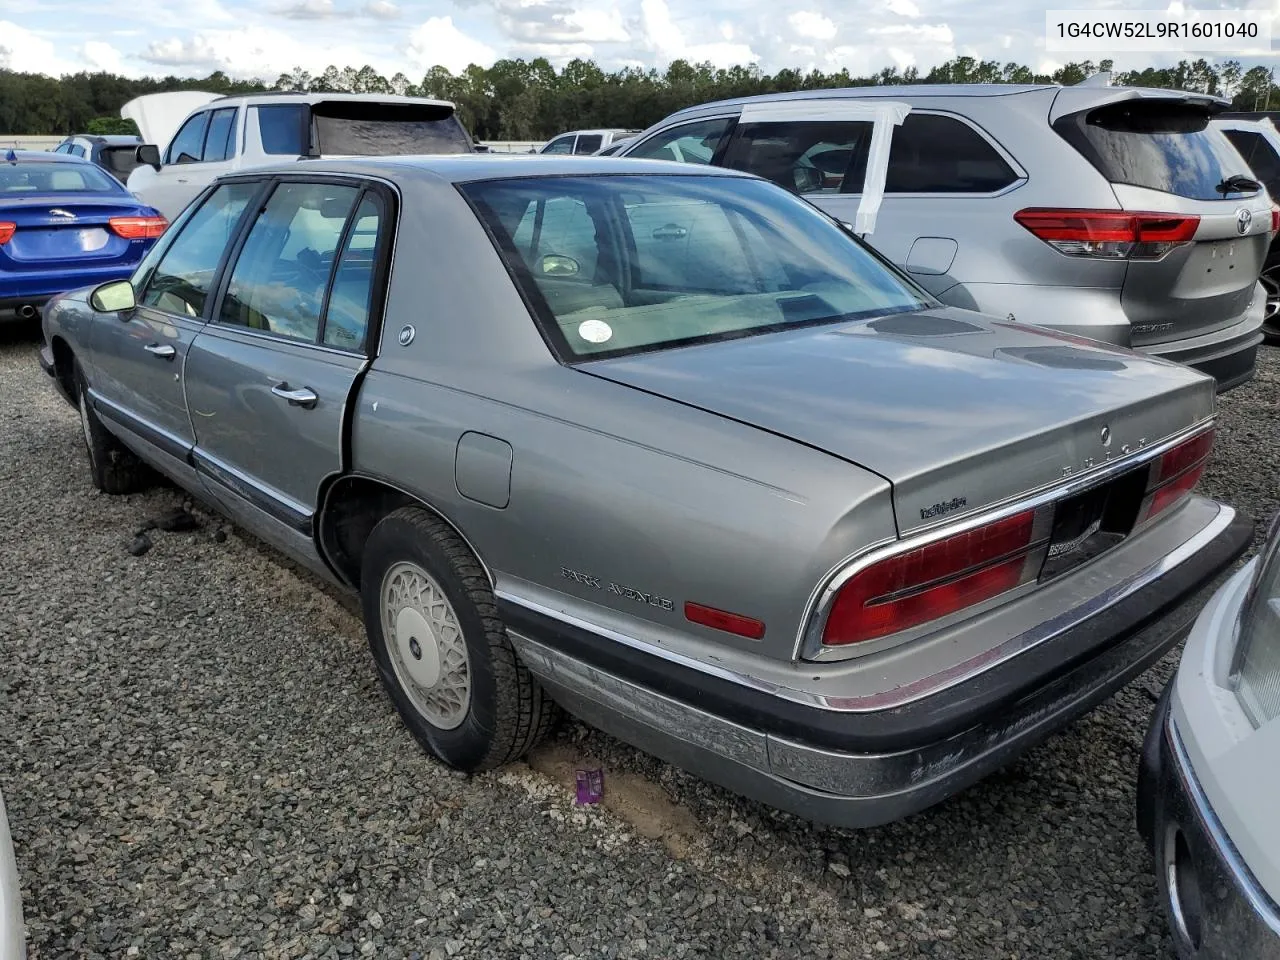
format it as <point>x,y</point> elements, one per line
<point>532,100</point>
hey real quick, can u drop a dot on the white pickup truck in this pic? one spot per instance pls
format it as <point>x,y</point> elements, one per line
<point>205,135</point>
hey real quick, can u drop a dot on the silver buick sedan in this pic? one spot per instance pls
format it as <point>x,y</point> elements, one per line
<point>668,447</point>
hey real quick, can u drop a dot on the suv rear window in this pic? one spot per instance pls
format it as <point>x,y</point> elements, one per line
<point>355,128</point>
<point>1168,147</point>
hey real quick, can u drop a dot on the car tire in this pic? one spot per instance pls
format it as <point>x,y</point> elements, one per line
<point>1270,280</point>
<point>442,650</point>
<point>113,468</point>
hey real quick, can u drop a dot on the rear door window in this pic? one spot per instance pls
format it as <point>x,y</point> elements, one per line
<point>188,145</point>
<point>1168,147</point>
<point>805,156</point>
<point>588,143</point>
<point>694,142</point>
<point>279,279</point>
<point>219,143</point>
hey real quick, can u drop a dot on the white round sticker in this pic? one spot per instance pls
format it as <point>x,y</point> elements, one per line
<point>595,331</point>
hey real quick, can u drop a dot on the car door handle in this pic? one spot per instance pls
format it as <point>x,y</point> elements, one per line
<point>161,350</point>
<point>302,397</point>
<point>182,180</point>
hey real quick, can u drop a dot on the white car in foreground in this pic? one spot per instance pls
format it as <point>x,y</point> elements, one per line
<point>12,933</point>
<point>1209,785</point>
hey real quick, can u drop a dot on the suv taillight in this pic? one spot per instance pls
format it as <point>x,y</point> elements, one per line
<point>1109,234</point>
<point>907,589</point>
<point>1175,475</point>
<point>1275,219</point>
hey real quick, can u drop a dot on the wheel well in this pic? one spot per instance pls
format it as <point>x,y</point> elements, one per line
<point>352,507</point>
<point>64,365</point>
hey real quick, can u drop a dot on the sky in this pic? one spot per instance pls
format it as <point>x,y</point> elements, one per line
<point>264,38</point>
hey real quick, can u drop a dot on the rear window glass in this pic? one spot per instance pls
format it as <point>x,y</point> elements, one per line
<point>621,264</point>
<point>1259,155</point>
<point>54,177</point>
<point>120,160</point>
<point>1168,147</point>
<point>807,156</point>
<point>352,128</point>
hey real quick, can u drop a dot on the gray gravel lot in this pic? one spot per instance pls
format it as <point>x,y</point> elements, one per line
<point>198,762</point>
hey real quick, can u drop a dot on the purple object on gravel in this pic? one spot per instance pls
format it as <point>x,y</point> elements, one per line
<point>590,786</point>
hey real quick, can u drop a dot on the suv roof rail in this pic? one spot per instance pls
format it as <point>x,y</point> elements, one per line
<point>265,93</point>
<point>1101,79</point>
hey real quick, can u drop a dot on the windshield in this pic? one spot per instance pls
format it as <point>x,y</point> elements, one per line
<point>361,128</point>
<point>621,264</point>
<point>1163,146</point>
<point>54,177</point>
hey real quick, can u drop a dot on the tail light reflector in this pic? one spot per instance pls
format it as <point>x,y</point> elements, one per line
<point>138,228</point>
<point>1176,474</point>
<point>1275,219</point>
<point>907,589</point>
<point>1109,234</point>
<point>724,620</point>
<point>6,231</point>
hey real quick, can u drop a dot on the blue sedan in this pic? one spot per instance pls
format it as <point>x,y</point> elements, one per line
<point>65,223</point>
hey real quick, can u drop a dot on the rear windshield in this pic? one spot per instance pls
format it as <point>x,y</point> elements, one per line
<point>1161,146</point>
<point>620,264</point>
<point>53,177</point>
<point>367,129</point>
<point>120,160</point>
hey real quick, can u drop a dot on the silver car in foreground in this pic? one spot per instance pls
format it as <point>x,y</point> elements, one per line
<point>669,447</point>
<point>1210,774</point>
<point>1113,213</point>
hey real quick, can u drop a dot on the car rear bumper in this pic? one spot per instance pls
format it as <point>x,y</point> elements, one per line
<point>869,768</point>
<point>1228,355</point>
<point>37,287</point>
<point>1216,908</point>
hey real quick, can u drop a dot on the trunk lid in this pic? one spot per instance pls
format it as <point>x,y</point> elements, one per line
<point>958,411</point>
<point>1161,155</point>
<point>52,230</point>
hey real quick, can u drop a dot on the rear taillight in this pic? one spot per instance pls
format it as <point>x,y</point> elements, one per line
<point>1175,474</point>
<point>907,589</point>
<point>1109,234</point>
<point>138,228</point>
<point>1275,220</point>
<point>6,231</point>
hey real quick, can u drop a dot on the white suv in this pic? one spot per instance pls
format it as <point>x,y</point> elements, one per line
<point>225,134</point>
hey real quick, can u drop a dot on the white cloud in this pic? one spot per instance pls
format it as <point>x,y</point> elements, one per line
<point>99,55</point>
<point>667,41</point>
<point>903,8</point>
<point>25,51</point>
<point>439,42</point>
<point>382,9</point>
<point>308,10</point>
<point>255,51</point>
<point>806,23</point>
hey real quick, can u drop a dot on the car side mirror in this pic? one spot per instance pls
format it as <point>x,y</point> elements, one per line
<point>557,265</point>
<point>149,154</point>
<point>114,297</point>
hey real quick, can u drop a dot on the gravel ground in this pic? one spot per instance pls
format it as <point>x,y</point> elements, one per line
<point>198,762</point>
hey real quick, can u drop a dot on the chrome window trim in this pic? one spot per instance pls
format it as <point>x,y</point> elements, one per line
<point>809,637</point>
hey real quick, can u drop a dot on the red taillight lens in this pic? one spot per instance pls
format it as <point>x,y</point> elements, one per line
<point>1176,474</point>
<point>138,228</point>
<point>724,620</point>
<point>1109,234</point>
<point>908,589</point>
<point>6,231</point>
<point>1275,220</point>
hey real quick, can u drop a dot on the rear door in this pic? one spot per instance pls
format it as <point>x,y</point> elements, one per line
<point>1161,155</point>
<point>138,358</point>
<point>269,379</point>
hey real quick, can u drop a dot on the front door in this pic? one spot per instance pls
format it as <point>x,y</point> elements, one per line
<point>203,149</point>
<point>269,379</point>
<point>138,357</point>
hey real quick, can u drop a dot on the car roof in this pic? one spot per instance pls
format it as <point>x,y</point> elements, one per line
<point>894,92</point>
<point>40,156</point>
<point>468,167</point>
<point>299,96</point>
<point>110,139</point>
